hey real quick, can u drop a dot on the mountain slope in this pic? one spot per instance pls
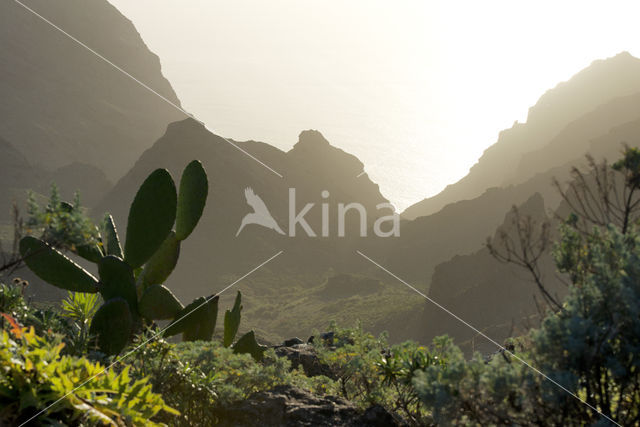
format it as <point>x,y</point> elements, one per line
<point>496,298</point>
<point>310,167</point>
<point>601,82</point>
<point>61,104</point>
<point>285,297</point>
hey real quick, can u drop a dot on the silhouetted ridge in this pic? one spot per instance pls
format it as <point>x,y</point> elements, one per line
<point>313,145</point>
<point>61,104</point>
<point>310,138</point>
<point>496,298</point>
<point>600,83</point>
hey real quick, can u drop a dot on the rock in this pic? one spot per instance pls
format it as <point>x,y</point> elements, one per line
<point>292,341</point>
<point>289,406</point>
<point>286,405</point>
<point>378,416</point>
<point>327,337</point>
<point>305,355</point>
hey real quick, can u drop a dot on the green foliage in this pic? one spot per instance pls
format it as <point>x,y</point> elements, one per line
<point>232,321</point>
<point>194,188</point>
<point>629,165</point>
<point>62,225</point>
<point>43,319</point>
<point>157,302</point>
<point>590,347</point>
<point>12,299</point>
<point>477,391</point>
<point>117,281</point>
<point>593,343</point>
<point>34,374</point>
<point>182,385</point>
<point>189,321</point>
<point>111,239</point>
<point>162,263</point>
<point>151,217</point>
<point>113,325</point>
<point>199,378</point>
<point>54,267</point>
<point>79,308</point>
<point>150,255</point>
<point>371,372</point>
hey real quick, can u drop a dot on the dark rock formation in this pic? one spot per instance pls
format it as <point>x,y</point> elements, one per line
<point>305,356</point>
<point>289,406</point>
<point>495,297</point>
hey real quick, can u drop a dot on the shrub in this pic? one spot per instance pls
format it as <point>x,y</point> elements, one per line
<point>371,372</point>
<point>198,378</point>
<point>33,375</point>
<point>45,320</point>
<point>590,347</point>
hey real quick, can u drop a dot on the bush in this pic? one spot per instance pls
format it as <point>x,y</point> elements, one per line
<point>34,375</point>
<point>371,372</point>
<point>198,378</point>
<point>45,320</point>
<point>590,347</point>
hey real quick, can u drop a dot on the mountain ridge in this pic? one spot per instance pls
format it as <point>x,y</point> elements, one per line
<point>61,103</point>
<point>598,83</point>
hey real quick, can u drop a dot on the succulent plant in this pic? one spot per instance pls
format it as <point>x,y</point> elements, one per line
<point>131,280</point>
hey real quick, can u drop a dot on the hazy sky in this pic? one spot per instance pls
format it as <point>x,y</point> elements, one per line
<point>416,89</point>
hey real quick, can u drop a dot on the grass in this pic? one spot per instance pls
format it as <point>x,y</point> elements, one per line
<point>292,309</point>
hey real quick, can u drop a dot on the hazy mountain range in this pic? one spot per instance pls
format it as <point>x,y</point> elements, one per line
<point>84,125</point>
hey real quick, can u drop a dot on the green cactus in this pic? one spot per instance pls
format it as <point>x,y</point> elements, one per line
<point>112,325</point>
<point>90,252</point>
<point>232,321</point>
<point>117,280</point>
<point>151,217</point>
<point>111,241</point>
<point>54,267</point>
<point>201,322</point>
<point>161,264</point>
<point>194,188</point>
<point>158,303</point>
<point>187,322</point>
<point>247,344</point>
<point>131,281</point>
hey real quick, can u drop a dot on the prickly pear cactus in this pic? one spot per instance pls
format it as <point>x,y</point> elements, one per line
<point>131,279</point>
<point>232,321</point>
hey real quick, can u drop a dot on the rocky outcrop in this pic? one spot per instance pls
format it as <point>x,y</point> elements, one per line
<point>497,298</point>
<point>304,356</point>
<point>289,406</point>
